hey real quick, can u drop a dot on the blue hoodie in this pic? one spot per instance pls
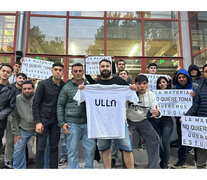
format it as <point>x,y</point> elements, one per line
<point>189,84</point>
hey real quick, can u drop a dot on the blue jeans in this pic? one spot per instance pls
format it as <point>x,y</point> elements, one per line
<point>122,144</point>
<point>79,132</point>
<point>19,156</point>
<point>114,149</point>
<point>63,145</point>
<point>164,130</point>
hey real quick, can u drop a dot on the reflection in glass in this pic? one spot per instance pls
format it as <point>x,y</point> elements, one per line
<point>161,38</point>
<point>199,31</point>
<point>63,13</point>
<point>86,37</point>
<point>5,59</point>
<point>191,12</point>
<point>161,14</point>
<point>124,14</point>
<point>73,61</point>
<point>201,59</point>
<point>165,66</point>
<point>133,66</point>
<point>47,35</point>
<point>87,13</point>
<point>124,38</point>
<point>7,29</point>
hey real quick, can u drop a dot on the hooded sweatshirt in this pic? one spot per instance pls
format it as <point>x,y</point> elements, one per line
<point>189,85</point>
<point>198,77</point>
<point>147,102</point>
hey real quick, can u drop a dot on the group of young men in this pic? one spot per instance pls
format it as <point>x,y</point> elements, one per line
<point>51,108</point>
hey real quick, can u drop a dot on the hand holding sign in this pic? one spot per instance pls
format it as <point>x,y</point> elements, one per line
<point>155,112</point>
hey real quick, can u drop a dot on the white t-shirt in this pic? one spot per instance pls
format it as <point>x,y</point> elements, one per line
<point>106,109</point>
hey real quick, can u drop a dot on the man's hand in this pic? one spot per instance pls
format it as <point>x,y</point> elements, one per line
<point>178,68</point>
<point>81,86</point>
<point>132,87</point>
<point>22,60</point>
<point>65,128</point>
<point>155,112</point>
<point>180,120</point>
<point>192,93</point>
<point>16,139</point>
<point>39,128</point>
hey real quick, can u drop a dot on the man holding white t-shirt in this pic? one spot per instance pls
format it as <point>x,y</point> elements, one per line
<point>124,144</point>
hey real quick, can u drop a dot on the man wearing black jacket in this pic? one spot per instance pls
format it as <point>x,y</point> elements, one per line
<point>7,98</point>
<point>199,109</point>
<point>45,116</point>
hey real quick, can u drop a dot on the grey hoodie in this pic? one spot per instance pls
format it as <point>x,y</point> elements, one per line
<point>22,116</point>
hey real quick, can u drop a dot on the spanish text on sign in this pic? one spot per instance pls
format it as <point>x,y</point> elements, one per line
<point>194,131</point>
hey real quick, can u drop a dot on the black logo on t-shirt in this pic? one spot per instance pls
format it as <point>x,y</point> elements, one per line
<point>105,102</point>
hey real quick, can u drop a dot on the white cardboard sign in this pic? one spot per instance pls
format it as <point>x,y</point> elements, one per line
<point>174,102</point>
<point>152,78</point>
<point>35,68</point>
<point>92,64</point>
<point>194,131</point>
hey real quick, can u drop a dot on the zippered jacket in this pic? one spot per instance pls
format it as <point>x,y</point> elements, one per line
<point>7,103</point>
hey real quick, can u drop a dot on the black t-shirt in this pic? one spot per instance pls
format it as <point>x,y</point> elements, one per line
<point>1,86</point>
<point>113,80</point>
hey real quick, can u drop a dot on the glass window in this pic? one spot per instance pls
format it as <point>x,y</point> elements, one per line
<point>201,59</point>
<point>192,12</point>
<point>124,14</point>
<point>165,66</point>
<point>47,35</point>
<point>161,14</point>
<point>63,13</point>
<point>202,15</point>
<point>86,37</point>
<point>124,38</point>
<point>7,29</point>
<point>5,59</point>
<point>133,66</point>
<point>161,38</point>
<point>199,31</point>
<point>73,61</point>
<point>87,13</point>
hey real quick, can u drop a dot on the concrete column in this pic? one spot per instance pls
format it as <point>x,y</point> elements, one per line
<point>185,39</point>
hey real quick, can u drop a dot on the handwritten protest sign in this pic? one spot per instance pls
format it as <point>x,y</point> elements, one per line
<point>152,78</point>
<point>173,102</point>
<point>92,64</point>
<point>36,68</point>
<point>194,131</point>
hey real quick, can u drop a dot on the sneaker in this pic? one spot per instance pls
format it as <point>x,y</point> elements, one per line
<point>179,165</point>
<point>62,161</point>
<point>113,163</point>
<point>8,165</point>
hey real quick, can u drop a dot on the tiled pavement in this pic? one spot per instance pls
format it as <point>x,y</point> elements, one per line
<point>140,161</point>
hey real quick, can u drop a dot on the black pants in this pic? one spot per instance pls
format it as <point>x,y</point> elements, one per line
<point>53,131</point>
<point>182,150</point>
<point>1,137</point>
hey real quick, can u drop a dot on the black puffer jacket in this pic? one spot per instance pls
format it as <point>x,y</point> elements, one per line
<point>199,107</point>
<point>7,103</point>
